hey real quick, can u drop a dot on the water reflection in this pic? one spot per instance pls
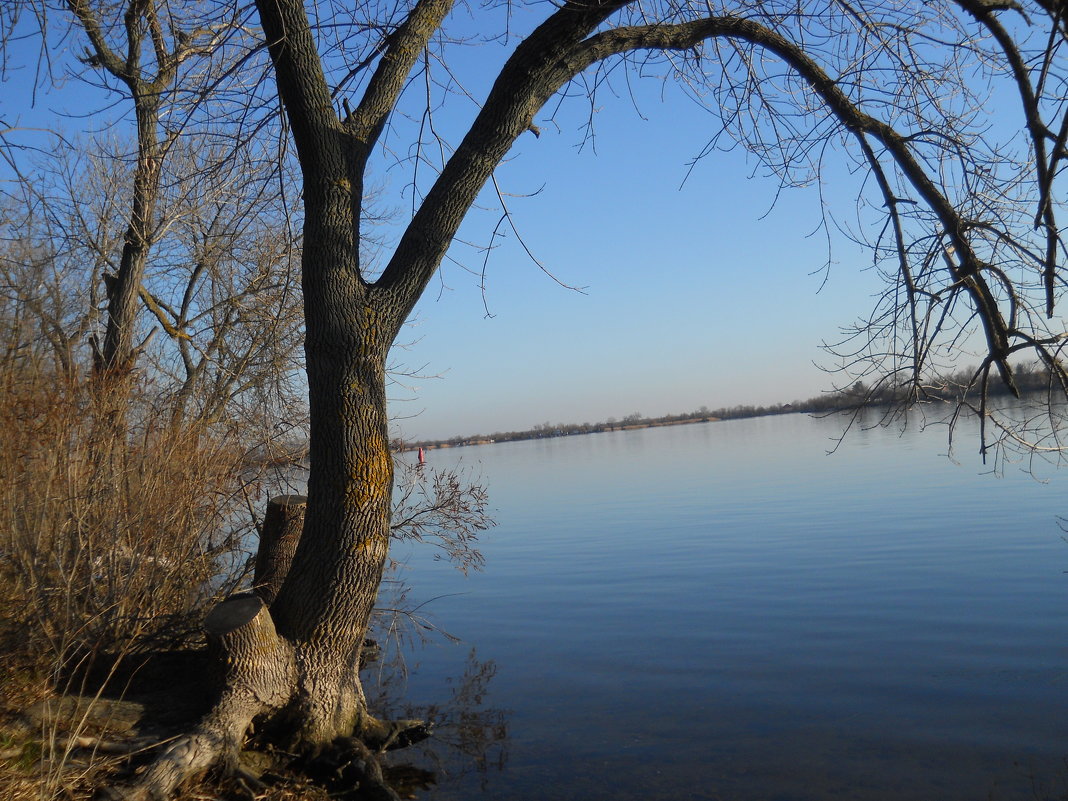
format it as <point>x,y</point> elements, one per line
<point>470,737</point>
<point>724,611</point>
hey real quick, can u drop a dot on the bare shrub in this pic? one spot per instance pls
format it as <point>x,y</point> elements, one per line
<point>113,539</point>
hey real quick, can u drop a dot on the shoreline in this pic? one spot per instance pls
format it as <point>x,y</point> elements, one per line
<point>600,429</point>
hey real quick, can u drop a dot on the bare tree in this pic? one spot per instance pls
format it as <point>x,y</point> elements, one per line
<point>219,324</point>
<point>968,239</point>
<point>223,284</point>
<point>144,54</point>
<point>181,229</point>
<point>163,59</point>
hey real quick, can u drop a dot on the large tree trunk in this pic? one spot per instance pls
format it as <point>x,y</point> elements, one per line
<point>322,609</point>
<point>325,603</point>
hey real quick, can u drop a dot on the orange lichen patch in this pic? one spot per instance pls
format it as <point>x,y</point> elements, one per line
<point>376,546</point>
<point>372,476</point>
<point>370,325</point>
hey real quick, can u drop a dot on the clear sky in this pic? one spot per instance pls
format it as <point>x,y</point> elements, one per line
<point>693,292</point>
<point>698,288</point>
<point>691,296</point>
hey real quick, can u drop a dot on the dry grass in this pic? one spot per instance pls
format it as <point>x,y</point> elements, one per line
<point>116,531</point>
<point>109,545</point>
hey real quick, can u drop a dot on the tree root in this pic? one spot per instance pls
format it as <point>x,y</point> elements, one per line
<point>389,735</point>
<point>350,765</point>
<point>354,763</point>
<point>249,781</point>
<point>260,679</point>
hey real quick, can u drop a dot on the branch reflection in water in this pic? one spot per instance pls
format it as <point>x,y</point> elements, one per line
<point>470,737</point>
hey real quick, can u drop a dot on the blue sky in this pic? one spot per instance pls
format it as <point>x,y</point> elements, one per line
<point>692,296</point>
<point>694,293</point>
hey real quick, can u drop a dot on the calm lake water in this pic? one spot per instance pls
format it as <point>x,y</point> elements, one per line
<point>725,611</point>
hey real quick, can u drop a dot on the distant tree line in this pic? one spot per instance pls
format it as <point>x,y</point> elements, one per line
<point>1030,378</point>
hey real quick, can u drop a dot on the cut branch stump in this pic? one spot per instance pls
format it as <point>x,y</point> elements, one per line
<point>242,638</point>
<point>259,670</point>
<point>282,527</point>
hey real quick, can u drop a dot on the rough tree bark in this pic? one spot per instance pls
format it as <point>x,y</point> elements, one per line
<point>324,605</point>
<point>282,526</point>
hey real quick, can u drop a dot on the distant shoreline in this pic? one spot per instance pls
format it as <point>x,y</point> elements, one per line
<point>1029,378</point>
<point>442,444</point>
